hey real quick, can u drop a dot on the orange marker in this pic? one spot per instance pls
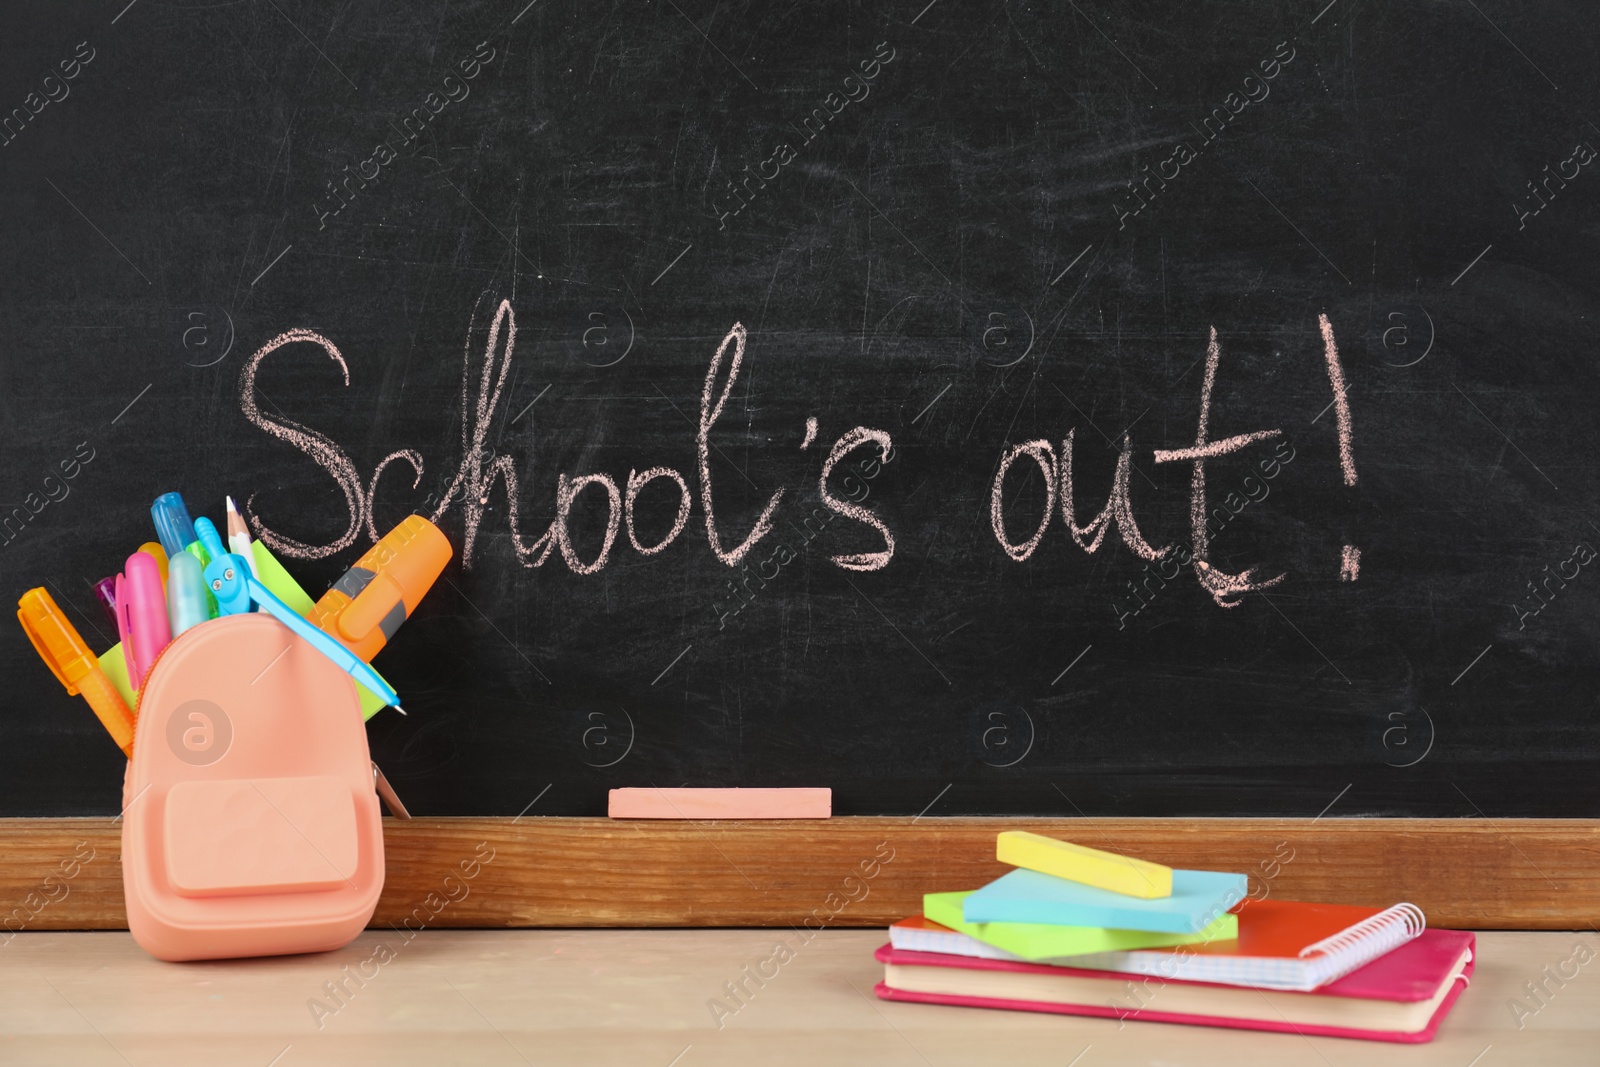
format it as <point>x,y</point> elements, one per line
<point>154,550</point>
<point>74,666</point>
<point>366,606</point>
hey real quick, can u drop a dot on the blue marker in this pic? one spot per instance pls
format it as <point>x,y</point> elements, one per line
<point>235,589</point>
<point>174,529</point>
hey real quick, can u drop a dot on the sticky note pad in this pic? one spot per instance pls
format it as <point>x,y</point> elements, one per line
<point>1103,870</point>
<point>1041,941</point>
<point>721,803</point>
<point>1198,898</point>
<point>270,573</point>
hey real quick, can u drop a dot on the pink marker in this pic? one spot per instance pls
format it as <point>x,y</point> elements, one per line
<point>141,615</point>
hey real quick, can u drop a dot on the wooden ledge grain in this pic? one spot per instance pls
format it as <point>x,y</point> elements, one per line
<point>1525,874</point>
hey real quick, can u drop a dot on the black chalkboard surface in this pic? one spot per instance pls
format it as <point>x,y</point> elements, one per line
<point>1001,408</point>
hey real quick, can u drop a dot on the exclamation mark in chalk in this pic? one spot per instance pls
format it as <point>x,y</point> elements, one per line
<point>1350,560</point>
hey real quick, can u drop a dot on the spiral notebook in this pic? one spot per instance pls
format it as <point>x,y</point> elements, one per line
<point>1281,945</point>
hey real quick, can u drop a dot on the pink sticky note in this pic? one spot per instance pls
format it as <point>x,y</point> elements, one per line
<point>721,803</point>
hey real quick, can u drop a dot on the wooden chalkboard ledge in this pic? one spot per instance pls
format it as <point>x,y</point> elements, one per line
<point>1525,874</point>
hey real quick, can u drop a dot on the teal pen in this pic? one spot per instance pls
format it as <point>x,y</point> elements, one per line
<point>187,602</point>
<point>229,580</point>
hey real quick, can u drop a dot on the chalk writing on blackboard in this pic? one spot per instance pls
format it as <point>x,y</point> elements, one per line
<point>481,470</point>
<point>482,388</point>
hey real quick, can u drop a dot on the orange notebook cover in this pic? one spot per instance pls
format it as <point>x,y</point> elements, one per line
<point>1280,929</point>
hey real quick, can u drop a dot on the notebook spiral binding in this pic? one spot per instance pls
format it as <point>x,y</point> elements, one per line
<point>1370,938</point>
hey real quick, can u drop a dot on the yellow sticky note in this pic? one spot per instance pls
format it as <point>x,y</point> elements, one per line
<point>1090,866</point>
<point>116,668</point>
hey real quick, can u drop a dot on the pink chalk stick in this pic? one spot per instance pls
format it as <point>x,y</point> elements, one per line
<point>721,803</point>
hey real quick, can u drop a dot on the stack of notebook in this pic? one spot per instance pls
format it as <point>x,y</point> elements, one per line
<point>1078,931</point>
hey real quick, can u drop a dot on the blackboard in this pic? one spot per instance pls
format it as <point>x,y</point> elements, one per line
<point>965,239</point>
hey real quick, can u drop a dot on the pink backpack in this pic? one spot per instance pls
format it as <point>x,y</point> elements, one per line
<point>251,823</point>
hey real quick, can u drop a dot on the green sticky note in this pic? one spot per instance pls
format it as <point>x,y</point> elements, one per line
<point>270,573</point>
<point>1037,941</point>
<point>371,703</point>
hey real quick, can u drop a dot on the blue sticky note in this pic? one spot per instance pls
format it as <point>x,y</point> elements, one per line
<point>1198,899</point>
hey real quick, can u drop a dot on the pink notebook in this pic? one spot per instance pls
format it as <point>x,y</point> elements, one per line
<point>1401,997</point>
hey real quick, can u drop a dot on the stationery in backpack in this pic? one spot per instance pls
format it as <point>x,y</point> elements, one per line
<point>278,581</point>
<point>1401,997</point>
<point>1025,896</point>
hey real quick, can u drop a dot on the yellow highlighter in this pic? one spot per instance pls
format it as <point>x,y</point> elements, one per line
<point>74,666</point>
<point>154,550</point>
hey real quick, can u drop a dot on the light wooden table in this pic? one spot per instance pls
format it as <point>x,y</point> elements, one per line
<point>639,997</point>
